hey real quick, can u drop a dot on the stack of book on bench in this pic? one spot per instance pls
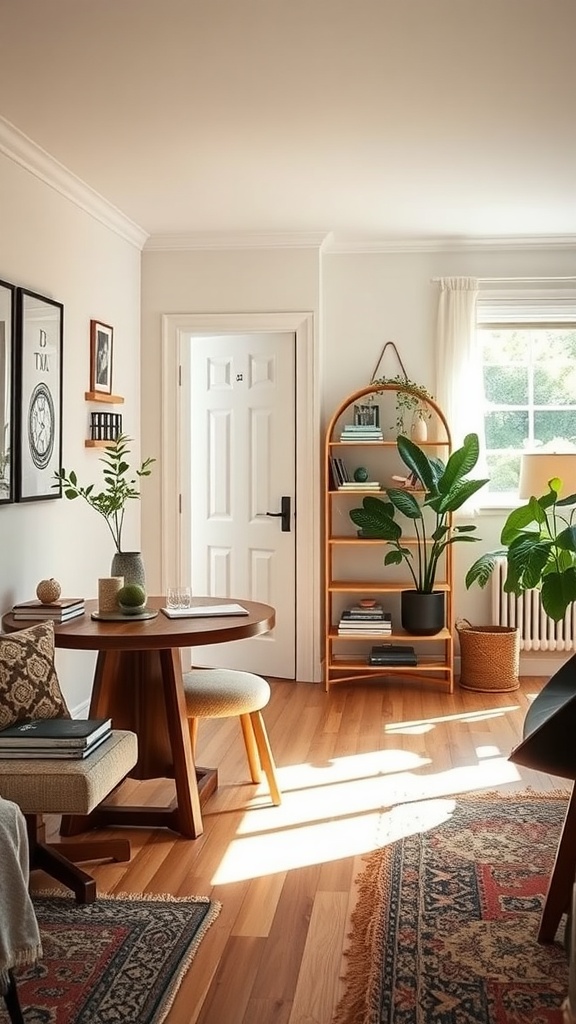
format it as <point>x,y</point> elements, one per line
<point>54,738</point>
<point>365,620</point>
<point>392,654</point>
<point>62,610</point>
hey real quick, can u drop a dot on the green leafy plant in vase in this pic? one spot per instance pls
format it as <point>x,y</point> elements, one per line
<point>539,544</point>
<point>445,489</point>
<point>120,487</point>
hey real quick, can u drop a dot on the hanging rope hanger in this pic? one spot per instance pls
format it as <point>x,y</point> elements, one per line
<point>389,344</point>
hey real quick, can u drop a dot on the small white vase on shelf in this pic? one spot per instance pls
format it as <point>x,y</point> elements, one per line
<point>129,564</point>
<point>419,428</point>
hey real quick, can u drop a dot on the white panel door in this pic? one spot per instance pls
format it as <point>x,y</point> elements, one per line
<point>242,464</point>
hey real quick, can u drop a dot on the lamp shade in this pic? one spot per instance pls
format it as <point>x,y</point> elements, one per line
<point>537,468</point>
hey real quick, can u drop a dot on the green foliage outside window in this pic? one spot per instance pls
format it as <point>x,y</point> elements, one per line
<point>530,395</point>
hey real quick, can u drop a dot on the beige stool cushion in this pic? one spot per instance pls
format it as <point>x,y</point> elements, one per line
<point>69,786</point>
<point>223,692</point>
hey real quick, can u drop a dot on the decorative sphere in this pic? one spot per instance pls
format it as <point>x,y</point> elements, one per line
<point>360,474</point>
<point>48,591</point>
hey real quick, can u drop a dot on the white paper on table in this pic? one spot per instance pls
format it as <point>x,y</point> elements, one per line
<point>205,611</point>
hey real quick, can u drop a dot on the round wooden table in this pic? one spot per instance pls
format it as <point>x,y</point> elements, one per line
<point>138,684</point>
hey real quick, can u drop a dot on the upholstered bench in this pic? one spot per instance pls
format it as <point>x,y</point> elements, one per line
<point>47,786</point>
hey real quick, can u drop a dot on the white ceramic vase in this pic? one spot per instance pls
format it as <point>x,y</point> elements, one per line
<point>419,428</point>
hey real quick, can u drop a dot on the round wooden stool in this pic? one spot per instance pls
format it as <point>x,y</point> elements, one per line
<point>226,693</point>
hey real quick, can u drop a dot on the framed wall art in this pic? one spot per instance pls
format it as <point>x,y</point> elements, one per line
<point>38,400</point>
<point>101,338</point>
<point>7,319</point>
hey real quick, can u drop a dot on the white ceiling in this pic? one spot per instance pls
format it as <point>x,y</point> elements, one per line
<point>376,119</point>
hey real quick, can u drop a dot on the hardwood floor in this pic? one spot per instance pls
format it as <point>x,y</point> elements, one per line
<point>358,767</point>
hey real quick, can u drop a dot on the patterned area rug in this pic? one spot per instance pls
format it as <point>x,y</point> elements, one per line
<point>444,931</point>
<point>120,959</point>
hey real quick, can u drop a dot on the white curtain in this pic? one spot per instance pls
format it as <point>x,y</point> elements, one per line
<point>459,386</point>
<point>459,380</point>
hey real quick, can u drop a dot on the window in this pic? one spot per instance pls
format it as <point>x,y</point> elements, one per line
<point>529,385</point>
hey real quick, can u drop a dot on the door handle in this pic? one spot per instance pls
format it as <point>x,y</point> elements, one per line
<point>284,513</point>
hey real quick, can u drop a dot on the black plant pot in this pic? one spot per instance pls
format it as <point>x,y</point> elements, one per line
<point>422,614</point>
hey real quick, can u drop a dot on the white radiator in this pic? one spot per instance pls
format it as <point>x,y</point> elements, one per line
<point>537,631</point>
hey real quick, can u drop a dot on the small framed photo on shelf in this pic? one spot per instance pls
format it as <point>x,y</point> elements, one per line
<point>101,340</point>
<point>367,415</point>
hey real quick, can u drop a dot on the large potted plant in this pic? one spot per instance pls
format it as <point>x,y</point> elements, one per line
<point>539,541</point>
<point>444,489</point>
<point>110,502</point>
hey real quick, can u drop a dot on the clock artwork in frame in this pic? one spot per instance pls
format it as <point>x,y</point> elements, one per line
<point>40,330</point>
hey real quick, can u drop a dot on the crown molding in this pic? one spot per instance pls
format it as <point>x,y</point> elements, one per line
<point>23,151</point>
<point>236,240</point>
<point>349,246</point>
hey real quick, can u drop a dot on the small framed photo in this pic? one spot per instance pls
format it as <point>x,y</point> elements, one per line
<point>367,415</point>
<point>38,400</point>
<point>101,338</point>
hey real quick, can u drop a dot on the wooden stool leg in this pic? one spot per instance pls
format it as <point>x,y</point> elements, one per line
<point>251,748</point>
<point>562,877</point>
<point>266,756</point>
<point>193,730</point>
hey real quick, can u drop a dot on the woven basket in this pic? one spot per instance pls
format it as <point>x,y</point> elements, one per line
<point>490,657</point>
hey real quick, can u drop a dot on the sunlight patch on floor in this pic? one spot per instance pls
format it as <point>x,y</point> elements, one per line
<point>348,811</point>
<point>426,724</point>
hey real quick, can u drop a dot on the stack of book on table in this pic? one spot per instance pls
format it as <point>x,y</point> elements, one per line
<point>392,654</point>
<point>62,610</point>
<point>365,620</point>
<point>356,433</point>
<point>54,737</point>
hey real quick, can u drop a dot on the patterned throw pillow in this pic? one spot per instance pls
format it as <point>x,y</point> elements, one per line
<point>29,686</point>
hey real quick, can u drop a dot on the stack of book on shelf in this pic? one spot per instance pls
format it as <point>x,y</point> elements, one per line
<point>365,620</point>
<point>392,654</point>
<point>54,738</point>
<point>360,485</point>
<point>356,433</point>
<point>62,610</point>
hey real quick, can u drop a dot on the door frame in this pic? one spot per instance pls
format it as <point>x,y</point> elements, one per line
<point>175,326</point>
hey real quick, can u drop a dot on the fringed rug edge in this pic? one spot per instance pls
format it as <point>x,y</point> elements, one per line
<point>360,1002</point>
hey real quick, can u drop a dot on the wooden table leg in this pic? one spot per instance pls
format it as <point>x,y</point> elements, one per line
<point>143,691</point>
<point>562,878</point>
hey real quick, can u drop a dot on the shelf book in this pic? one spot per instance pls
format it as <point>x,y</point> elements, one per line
<point>59,611</point>
<point>361,620</point>
<point>54,737</point>
<point>392,654</point>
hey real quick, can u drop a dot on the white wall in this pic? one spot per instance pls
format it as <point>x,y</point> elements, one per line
<point>230,281</point>
<point>361,301</point>
<point>50,245</point>
<point>371,298</point>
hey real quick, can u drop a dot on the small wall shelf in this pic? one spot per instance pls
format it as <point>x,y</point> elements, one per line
<point>99,396</point>
<point>97,444</point>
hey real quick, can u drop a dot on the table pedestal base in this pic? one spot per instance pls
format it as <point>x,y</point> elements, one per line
<point>131,814</point>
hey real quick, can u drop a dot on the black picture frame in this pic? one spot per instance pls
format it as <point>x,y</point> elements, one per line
<point>7,378</point>
<point>101,352</point>
<point>38,401</point>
